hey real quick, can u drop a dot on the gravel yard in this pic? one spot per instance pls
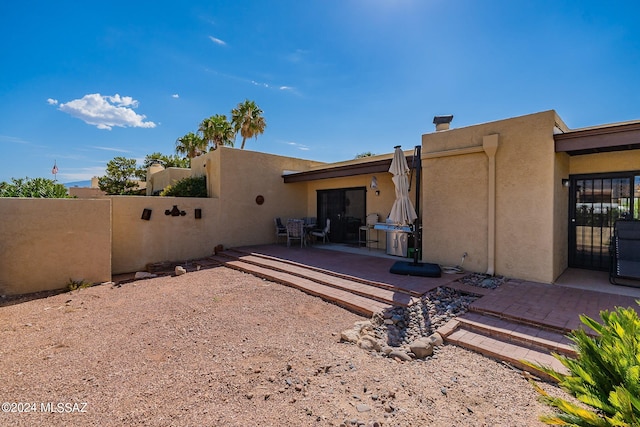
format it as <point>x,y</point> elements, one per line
<point>218,347</point>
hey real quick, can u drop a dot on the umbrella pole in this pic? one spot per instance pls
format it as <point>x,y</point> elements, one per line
<point>417,232</point>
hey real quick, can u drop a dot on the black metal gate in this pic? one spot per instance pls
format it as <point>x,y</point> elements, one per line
<point>596,202</point>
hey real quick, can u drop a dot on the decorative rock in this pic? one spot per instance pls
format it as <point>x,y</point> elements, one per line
<point>365,344</point>
<point>349,335</point>
<point>362,326</point>
<point>399,354</point>
<point>180,270</point>
<point>144,275</point>
<point>368,342</point>
<point>363,407</point>
<point>421,348</point>
<point>386,349</point>
<point>436,339</point>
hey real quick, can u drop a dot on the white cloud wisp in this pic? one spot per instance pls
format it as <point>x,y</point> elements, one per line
<point>105,112</point>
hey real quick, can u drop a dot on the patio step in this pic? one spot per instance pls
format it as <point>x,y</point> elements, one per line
<point>381,292</point>
<point>305,269</point>
<point>509,340</point>
<point>354,296</point>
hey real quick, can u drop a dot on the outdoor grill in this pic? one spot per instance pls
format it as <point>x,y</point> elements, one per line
<point>397,238</point>
<point>392,227</point>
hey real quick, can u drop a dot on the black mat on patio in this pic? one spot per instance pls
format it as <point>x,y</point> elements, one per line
<point>409,268</point>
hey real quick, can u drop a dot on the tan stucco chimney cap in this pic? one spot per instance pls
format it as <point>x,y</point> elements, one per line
<point>440,120</point>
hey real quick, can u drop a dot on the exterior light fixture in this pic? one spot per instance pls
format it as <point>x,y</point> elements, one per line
<point>565,182</point>
<point>374,183</point>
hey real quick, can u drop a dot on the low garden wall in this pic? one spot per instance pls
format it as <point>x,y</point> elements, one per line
<point>45,243</point>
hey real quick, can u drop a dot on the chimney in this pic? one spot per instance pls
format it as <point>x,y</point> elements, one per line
<point>442,122</point>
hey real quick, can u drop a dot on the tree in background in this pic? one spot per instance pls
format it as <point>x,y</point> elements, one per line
<point>168,161</point>
<point>36,187</point>
<point>191,145</point>
<point>247,120</point>
<point>217,131</point>
<point>365,154</point>
<point>121,177</point>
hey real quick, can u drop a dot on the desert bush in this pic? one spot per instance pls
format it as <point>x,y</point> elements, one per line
<point>605,375</point>
<point>193,186</point>
<point>33,187</point>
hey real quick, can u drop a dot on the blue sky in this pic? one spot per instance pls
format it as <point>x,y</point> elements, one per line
<point>83,82</point>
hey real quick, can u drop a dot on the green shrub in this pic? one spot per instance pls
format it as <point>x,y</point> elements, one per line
<point>33,187</point>
<point>72,285</point>
<point>605,375</point>
<point>193,186</point>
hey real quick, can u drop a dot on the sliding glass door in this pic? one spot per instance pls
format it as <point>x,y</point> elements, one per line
<point>346,208</point>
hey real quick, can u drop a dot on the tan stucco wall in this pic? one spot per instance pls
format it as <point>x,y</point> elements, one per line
<point>161,179</point>
<point>380,204</point>
<point>230,218</point>
<point>237,177</point>
<point>455,195</point>
<point>137,242</point>
<point>560,215</point>
<point>46,242</point>
<point>86,192</point>
<point>617,161</point>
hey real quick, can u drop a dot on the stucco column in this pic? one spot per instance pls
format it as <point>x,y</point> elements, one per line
<point>490,147</point>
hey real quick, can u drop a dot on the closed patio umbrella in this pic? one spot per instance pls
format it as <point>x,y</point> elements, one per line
<point>402,211</point>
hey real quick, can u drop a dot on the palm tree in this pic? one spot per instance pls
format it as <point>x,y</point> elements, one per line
<point>247,120</point>
<point>217,131</point>
<point>191,145</point>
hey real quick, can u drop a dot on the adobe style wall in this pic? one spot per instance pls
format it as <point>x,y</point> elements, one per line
<point>524,193</point>
<point>375,203</point>
<point>616,161</point>
<point>47,242</point>
<point>158,181</point>
<point>231,215</point>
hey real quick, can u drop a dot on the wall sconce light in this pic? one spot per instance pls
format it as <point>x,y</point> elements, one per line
<point>146,214</point>
<point>374,183</point>
<point>565,182</point>
<point>175,211</point>
<point>198,213</point>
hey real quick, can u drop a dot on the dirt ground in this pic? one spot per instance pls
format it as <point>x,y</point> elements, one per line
<point>219,347</point>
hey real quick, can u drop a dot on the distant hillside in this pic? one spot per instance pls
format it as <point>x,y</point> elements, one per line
<point>78,184</point>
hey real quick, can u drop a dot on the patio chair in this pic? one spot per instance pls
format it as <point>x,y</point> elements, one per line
<point>281,230</point>
<point>625,252</point>
<point>295,231</point>
<point>324,233</point>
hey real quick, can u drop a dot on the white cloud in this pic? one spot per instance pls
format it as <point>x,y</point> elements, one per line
<point>52,101</point>
<point>119,150</point>
<point>175,95</point>
<point>255,83</point>
<point>285,88</point>
<point>217,41</point>
<point>105,112</point>
<point>79,174</point>
<point>301,147</point>
<point>12,139</point>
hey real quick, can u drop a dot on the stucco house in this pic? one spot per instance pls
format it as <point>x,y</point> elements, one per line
<point>525,197</point>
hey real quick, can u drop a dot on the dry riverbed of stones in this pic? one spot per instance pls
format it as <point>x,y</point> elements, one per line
<point>408,333</point>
